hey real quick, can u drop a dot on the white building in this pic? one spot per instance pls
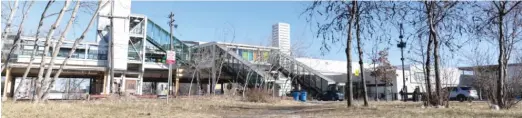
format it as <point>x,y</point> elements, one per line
<point>414,76</point>
<point>336,70</point>
<point>281,37</point>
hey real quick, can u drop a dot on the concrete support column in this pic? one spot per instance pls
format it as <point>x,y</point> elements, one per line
<point>7,84</point>
<point>139,88</point>
<point>208,89</point>
<point>122,84</point>
<point>106,84</point>
<point>223,88</point>
<point>178,75</point>
<point>214,71</point>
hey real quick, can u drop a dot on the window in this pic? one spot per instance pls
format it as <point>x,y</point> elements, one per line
<point>465,88</point>
<point>130,84</point>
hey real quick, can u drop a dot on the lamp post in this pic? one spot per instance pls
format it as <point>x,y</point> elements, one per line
<point>402,45</point>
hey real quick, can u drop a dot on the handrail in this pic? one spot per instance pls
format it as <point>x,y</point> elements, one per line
<point>156,44</point>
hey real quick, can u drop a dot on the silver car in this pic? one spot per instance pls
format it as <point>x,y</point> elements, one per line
<point>462,93</point>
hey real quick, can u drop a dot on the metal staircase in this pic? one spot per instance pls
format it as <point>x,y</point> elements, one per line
<point>313,81</point>
<point>232,63</point>
<point>235,65</point>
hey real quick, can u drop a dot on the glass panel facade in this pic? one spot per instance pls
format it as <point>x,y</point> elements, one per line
<point>250,55</point>
<point>265,56</point>
<point>161,38</point>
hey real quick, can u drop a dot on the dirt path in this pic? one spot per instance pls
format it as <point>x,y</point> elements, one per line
<point>294,111</point>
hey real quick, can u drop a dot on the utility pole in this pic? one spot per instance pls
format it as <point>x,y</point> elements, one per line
<point>402,45</point>
<point>171,24</point>
<point>111,49</point>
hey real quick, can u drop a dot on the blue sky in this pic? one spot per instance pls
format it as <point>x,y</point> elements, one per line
<point>252,21</point>
<point>206,21</point>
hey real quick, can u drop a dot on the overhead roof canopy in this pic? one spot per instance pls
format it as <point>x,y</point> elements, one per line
<point>470,68</point>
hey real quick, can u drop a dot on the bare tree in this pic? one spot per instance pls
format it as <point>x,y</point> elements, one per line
<point>483,75</point>
<point>9,19</point>
<point>360,51</point>
<point>385,71</point>
<point>222,57</point>
<point>501,21</point>
<point>340,18</point>
<point>298,48</point>
<point>449,76</point>
<point>374,57</point>
<point>7,29</point>
<point>35,46</point>
<point>440,23</point>
<point>40,89</point>
<point>76,43</point>
<point>199,60</point>
<point>25,11</point>
<point>56,50</point>
<point>246,83</point>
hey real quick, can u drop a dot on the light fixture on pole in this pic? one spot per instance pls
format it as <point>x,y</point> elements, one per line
<point>402,45</point>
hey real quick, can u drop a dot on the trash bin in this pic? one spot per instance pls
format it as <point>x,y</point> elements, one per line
<point>302,97</point>
<point>295,95</point>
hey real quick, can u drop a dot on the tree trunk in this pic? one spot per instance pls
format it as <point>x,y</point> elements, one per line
<point>198,84</point>
<point>191,81</point>
<point>10,19</point>
<point>56,50</point>
<point>39,88</point>
<point>427,73</point>
<point>35,46</point>
<point>376,83</point>
<point>246,83</point>
<point>385,97</point>
<point>18,35</point>
<point>4,35</point>
<point>349,88</point>
<point>433,35</point>
<point>501,59</point>
<point>358,32</point>
<point>428,52</point>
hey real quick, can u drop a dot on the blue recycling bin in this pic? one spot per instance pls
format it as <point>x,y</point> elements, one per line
<point>295,95</point>
<point>302,97</point>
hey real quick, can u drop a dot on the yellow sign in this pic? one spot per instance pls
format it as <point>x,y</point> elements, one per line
<point>356,72</point>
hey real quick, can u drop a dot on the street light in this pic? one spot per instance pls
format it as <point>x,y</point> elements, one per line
<point>402,45</point>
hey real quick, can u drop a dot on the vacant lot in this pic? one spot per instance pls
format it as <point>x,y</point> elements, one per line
<point>227,107</point>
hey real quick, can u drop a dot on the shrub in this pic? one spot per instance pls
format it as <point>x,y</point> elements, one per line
<point>258,95</point>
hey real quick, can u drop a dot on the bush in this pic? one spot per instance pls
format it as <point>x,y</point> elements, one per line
<point>258,95</point>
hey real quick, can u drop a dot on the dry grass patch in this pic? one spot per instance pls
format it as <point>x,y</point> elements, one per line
<point>180,107</point>
<point>398,109</point>
<point>223,106</point>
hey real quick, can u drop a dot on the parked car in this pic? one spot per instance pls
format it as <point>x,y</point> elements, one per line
<point>332,95</point>
<point>462,93</point>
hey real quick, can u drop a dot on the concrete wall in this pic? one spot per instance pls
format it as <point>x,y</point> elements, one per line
<point>121,9</point>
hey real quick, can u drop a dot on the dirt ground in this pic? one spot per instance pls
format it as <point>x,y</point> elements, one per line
<point>233,107</point>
